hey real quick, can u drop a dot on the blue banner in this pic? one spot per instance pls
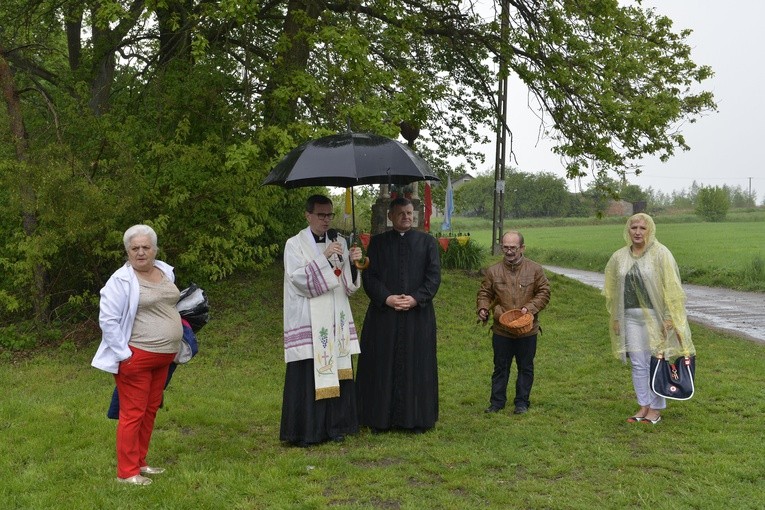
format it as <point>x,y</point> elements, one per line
<point>448,206</point>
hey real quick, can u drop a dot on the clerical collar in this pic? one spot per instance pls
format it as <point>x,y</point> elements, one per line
<point>318,239</point>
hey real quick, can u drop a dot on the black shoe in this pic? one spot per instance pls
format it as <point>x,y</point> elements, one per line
<point>492,409</point>
<point>337,439</point>
<point>520,409</point>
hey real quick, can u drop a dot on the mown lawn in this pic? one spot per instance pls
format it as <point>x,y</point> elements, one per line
<point>218,433</point>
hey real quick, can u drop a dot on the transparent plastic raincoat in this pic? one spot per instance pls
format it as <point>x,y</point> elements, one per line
<point>664,310</point>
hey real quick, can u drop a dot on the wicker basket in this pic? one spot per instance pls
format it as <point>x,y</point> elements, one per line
<point>517,322</point>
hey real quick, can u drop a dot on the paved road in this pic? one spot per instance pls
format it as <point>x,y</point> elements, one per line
<point>740,313</point>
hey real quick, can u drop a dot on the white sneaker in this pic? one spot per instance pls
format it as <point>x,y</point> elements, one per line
<point>148,470</point>
<point>135,480</point>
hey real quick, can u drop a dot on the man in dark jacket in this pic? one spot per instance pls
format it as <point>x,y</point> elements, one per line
<point>513,283</point>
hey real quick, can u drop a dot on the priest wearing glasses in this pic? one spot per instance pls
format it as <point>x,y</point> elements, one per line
<point>319,402</point>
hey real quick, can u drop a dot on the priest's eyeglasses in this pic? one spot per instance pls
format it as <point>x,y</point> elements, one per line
<point>506,248</point>
<point>324,216</point>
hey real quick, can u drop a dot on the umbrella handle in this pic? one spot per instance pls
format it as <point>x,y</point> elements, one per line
<point>361,264</point>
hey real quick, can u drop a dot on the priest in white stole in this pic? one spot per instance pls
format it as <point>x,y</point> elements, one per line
<point>319,402</point>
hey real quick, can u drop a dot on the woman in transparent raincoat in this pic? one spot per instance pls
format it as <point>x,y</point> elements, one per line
<point>646,303</point>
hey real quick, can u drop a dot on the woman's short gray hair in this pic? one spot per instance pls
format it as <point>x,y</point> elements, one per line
<point>139,230</point>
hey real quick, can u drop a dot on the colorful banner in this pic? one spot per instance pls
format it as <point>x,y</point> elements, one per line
<point>348,207</point>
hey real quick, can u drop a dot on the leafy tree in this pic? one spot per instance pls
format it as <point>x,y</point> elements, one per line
<point>632,193</point>
<point>657,200</point>
<point>683,199</point>
<point>712,203</point>
<point>605,72</point>
<point>171,113</point>
<point>538,195</point>
<point>602,190</point>
<point>739,198</point>
<point>526,195</point>
<point>476,198</point>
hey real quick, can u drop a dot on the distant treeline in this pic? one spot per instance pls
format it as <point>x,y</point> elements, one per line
<point>545,195</point>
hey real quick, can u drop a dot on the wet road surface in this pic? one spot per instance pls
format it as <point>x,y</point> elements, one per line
<point>732,311</point>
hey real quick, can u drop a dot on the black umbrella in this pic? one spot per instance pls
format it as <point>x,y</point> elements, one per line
<point>350,159</point>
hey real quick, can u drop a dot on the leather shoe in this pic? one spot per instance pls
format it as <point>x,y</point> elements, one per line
<point>520,409</point>
<point>135,480</point>
<point>492,409</point>
<point>148,470</point>
<point>337,439</point>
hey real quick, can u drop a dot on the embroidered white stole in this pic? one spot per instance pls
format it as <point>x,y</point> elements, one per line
<point>330,330</point>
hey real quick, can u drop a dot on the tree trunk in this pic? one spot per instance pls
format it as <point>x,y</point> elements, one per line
<point>26,189</point>
<point>174,43</point>
<point>73,16</point>
<point>293,58</point>
<point>106,40</point>
<point>102,70</point>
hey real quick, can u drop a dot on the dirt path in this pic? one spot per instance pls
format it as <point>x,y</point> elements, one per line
<point>732,311</point>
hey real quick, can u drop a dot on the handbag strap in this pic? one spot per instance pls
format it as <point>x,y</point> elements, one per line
<point>660,355</point>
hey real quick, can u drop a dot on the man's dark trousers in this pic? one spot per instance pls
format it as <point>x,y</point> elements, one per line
<point>505,349</point>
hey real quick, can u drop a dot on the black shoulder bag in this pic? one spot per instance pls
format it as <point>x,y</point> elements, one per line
<point>673,379</point>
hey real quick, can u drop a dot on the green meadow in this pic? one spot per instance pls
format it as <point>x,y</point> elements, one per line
<point>728,254</point>
<point>217,434</point>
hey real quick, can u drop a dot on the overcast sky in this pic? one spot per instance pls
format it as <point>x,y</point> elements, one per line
<point>726,146</point>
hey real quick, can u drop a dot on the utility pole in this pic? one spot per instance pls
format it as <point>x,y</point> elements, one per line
<point>499,161</point>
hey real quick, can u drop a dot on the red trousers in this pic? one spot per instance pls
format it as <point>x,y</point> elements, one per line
<point>140,383</point>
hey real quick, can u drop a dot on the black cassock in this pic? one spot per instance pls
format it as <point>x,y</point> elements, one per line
<point>397,371</point>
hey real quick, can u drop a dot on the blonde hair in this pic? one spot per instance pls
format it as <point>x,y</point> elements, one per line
<point>649,225</point>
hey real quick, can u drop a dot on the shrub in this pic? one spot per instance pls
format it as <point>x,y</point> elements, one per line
<point>15,338</point>
<point>712,203</point>
<point>755,271</point>
<point>461,255</point>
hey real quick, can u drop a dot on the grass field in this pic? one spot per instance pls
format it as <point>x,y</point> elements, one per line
<point>729,254</point>
<point>218,433</point>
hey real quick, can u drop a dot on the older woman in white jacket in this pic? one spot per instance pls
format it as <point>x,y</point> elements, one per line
<point>141,334</point>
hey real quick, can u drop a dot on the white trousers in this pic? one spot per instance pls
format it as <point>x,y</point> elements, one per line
<point>640,359</point>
